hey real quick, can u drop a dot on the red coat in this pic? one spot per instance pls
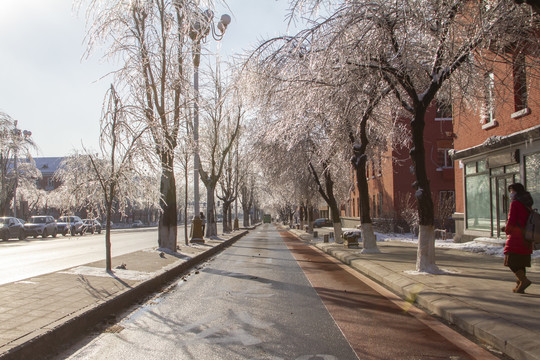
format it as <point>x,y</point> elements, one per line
<point>517,217</point>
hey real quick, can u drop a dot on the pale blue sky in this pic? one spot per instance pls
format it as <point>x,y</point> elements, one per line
<point>47,86</point>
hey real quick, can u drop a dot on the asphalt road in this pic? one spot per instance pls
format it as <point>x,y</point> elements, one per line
<point>22,259</point>
<point>269,296</point>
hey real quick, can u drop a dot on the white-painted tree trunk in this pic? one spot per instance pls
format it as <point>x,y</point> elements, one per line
<point>369,240</point>
<point>425,258</point>
<point>337,233</point>
<point>167,235</point>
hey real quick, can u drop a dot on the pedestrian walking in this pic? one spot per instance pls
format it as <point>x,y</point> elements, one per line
<point>203,222</point>
<point>517,251</point>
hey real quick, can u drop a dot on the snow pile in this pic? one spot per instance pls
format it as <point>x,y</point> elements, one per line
<point>485,246</point>
<point>120,273</point>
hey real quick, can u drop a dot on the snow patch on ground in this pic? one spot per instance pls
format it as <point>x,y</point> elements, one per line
<point>485,246</point>
<point>120,273</point>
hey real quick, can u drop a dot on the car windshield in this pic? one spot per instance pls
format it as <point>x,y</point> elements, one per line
<point>38,220</point>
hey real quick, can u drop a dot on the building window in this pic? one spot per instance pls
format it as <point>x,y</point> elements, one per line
<point>445,160</point>
<point>444,111</point>
<point>520,82</point>
<point>488,116</point>
<point>443,154</point>
<point>477,195</point>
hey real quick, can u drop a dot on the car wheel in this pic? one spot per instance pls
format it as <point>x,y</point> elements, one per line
<point>73,233</point>
<point>5,237</point>
<point>35,236</point>
<point>44,235</point>
<point>64,233</point>
<point>22,235</point>
<point>55,232</point>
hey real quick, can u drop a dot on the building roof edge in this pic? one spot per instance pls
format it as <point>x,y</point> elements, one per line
<point>496,142</point>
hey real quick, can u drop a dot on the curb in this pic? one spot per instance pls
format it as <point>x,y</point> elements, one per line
<point>74,325</point>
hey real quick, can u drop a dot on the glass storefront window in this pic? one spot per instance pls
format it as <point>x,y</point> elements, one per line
<point>470,168</point>
<point>497,171</point>
<point>482,166</point>
<point>511,169</point>
<point>478,202</point>
<point>532,177</point>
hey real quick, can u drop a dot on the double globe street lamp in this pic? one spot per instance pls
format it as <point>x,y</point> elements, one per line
<point>198,32</point>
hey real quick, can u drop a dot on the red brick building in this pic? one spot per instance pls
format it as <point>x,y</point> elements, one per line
<point>495,145</point>
<point>390,176</point>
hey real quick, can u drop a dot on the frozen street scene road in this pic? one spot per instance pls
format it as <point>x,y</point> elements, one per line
<point>268,296</point>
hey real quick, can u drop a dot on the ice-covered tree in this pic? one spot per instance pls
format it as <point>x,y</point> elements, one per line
<point>150,39</point>
<point>222,113</point>
<point>14,146</point>
<point>114,167</point>
<point>417,47</point>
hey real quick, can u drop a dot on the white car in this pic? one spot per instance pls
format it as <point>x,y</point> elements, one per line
<point>40,225</point>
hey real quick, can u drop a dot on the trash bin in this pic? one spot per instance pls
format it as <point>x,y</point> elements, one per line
<point>326,237</point>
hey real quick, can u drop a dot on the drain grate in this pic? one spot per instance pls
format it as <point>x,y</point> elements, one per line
<point>114,329</point>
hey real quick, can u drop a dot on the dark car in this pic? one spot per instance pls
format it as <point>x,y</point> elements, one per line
<point>40,225</point>
<point>91,226</point>
<point>70,224</point>
<point>11,228</point>
<point>322,222</point>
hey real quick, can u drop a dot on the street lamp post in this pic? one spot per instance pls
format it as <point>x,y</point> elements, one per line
<point>198,32</point>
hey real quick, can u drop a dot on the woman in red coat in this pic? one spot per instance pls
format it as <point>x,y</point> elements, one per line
<point>517,251</point>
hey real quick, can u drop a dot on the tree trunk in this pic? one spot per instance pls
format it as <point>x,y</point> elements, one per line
<point>425,257</point>
<point>369,240</point>
<point>211,226</point>
<point>230,218</point>
<point>167,230</point>
<point>245,209</point>
<point>108,262</point>
<point>226,227</point>
<point>425,261</point>
<point>186,200</point>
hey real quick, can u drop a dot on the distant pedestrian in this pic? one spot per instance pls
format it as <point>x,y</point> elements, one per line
<point>203,222</point>
<point>517,251</point>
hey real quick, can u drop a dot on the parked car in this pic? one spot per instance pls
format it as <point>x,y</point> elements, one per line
<point>41,225</point>
<point>70,224</point>
<point>322,222</point>
<point>92,226</point>
<point>11,228</point>
<point>137,224</point>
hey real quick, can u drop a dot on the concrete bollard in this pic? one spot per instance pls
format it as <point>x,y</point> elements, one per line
<point>326,238</point>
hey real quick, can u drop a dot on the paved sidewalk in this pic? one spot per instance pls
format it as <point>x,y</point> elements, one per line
<point>41,313</point>
<point>474,293</point>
